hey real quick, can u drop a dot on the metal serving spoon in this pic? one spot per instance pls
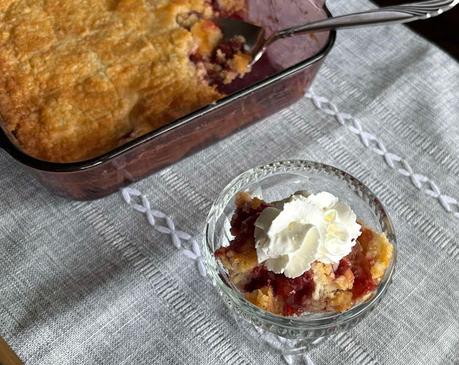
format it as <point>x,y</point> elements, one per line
<point>256,41</point>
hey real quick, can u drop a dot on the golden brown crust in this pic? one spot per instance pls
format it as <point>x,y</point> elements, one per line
<point>264,298</point>
<point>380,251</point>
<point>78,78</point>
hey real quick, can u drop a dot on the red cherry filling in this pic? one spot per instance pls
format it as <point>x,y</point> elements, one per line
<point>218,65</point>
<point>363,282</point>
<point>243,224</point>
<point>219,61</point>
<point>344,264</point>
<point>293,292</point>
<point>361,266</point>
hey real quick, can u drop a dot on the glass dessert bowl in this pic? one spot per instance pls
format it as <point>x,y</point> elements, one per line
<point>294,305</point>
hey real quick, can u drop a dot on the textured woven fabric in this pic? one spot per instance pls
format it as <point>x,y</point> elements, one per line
<point>96,283</point>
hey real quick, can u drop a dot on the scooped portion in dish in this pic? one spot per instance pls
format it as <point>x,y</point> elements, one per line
<point>306,253</point>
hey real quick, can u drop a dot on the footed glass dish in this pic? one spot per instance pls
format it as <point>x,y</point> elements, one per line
<point>294,334</point>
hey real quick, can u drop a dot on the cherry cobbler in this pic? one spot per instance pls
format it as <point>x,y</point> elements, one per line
<point>79,78</point>
<point>307,276</point>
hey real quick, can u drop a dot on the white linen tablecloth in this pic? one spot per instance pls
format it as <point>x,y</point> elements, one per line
<point>97,283</point>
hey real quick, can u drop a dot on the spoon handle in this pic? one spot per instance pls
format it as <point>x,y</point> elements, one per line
<point>391,14</point>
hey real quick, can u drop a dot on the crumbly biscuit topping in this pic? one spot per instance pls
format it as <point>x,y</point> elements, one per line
<point>78,78</point>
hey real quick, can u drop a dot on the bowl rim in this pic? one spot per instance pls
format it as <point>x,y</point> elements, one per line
<point>16,152</point>
<point>307,321</point>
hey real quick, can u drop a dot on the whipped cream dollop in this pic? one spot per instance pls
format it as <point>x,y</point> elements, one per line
<point>295,232</point>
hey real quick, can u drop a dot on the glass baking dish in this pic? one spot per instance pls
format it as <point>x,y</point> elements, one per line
<point>263,96</point>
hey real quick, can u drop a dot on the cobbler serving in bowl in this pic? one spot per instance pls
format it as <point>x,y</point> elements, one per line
<point>297,280</point>
<point>298,251</point>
